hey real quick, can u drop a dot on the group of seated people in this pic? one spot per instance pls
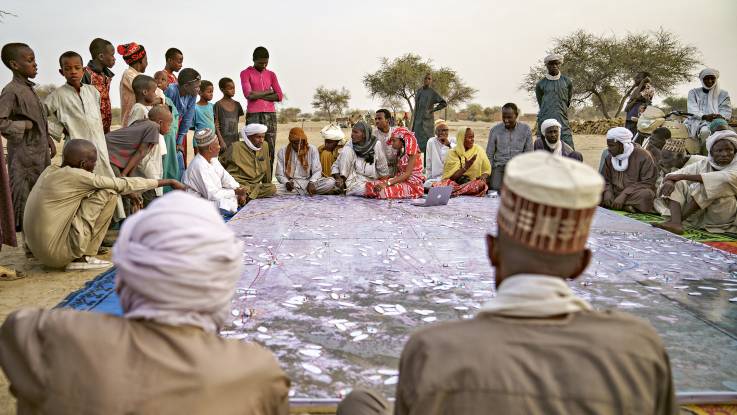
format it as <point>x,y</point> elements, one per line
<point>535,347</point>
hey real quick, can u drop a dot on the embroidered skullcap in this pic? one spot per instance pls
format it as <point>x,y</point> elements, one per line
<point>675,145</point>
<point>553,57</point>
<point>204,137</point>
<point>550,122</point>
<point>548,202</point>
<point>131,52</point>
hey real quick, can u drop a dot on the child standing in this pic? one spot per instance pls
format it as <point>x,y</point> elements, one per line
<point>184,97</point>
<point>203,115</point>
<point>98,74</point>
<point>170,163</point>
<point>228,113</point>
<point>23,123</point>
<point>174,61</point>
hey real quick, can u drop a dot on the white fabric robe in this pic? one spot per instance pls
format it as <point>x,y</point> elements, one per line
<point>435,159</point>
<point>698,104</point>
<point>357,171</point>
<point>299,176</point>
<point>211,182</point>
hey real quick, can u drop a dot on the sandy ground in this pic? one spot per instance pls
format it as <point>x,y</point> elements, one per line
<point>44,287</point>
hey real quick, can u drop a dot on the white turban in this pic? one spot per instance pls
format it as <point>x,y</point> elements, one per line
<point>621,162</point>
<point>708,71</point>
<point>553,57</point>
<point>728,135</point>
<point>332,132</point>
<point>550,122</point>
<point>252,129</point>
<point>177,263</point>
<point>712,98</point>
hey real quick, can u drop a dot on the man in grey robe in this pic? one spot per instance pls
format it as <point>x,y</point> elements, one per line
<point>427,101</point>
<point>554,93</point>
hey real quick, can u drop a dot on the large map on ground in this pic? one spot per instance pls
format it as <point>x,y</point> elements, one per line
<point>335,285</point>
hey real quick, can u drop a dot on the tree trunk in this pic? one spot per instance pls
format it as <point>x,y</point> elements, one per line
<point>623,101</point>
<point>411,113</point>
<point>602,105</point>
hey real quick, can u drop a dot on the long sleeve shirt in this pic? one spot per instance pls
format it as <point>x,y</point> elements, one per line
<point>298,172</point>
<point>186,108</point>
<point>253,80</point>
<point>506,143</point>
<point>211,182</point>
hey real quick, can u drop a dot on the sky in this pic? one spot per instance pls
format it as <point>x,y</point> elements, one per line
<point>334,43</point>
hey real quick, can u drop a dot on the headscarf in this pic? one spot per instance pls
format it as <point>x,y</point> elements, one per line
<point>458,155</point>
<point>728,135</point>
<point>621,162</point>
<point>131,52</point>
<point>204,137</point>
<point>296,134</point>
<point>712,98</point>
<point>409,141</point>
<point>252,129</point>
<point>177,263</point>
<point>717,123</point>
<point>557,147</point>
<point>365,150</point>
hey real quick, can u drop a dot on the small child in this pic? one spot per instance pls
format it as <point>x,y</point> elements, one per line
<point>23,123</point>
<point>227,114</point>
<point>162,80</point>
<point>204,116</point>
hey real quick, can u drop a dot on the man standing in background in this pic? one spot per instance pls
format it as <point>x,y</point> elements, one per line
<point>427,101</point>
<point>554,93</point>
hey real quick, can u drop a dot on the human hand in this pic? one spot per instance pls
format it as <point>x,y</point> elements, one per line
<point>289,186</point>
<point>667,187</point>
<point>617,204</point>
<point>241,191</point>
<point>484,177</point>
<point>176,185</point>
<point>311,188</point>
<point>340,183</point>
<point>469,162</point>
<point>28,125</point>
<point>136,201</point>
<point>242,200</point>
<point>380,186</point>
<point>180,148</point>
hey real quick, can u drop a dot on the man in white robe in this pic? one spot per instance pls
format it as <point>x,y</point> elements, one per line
<point>206,177</point>
<point>298,168</point>
<point>703,194</point>
<point>437,151</point>
<point>383,132</point>
<point>707,104</point>
<point>362,160</point>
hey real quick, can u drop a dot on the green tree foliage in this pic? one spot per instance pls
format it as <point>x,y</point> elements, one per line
<point>290,114</point>
<point>602,67</point>
<point>401,77</point>
<point>330,101</point>
<point>675,104</point>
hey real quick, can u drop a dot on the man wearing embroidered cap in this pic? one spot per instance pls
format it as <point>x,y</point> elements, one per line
<point>249,163</point>
<point>707,103</point>
<point>703,194</point>
<point>629,173</point>
<point>177,268</point>
<point>333,136</point>
<point>554,94</point>
<point>298,168</point>
<point>528,344</point>
<point>438,148</point>
<point>206,177</point>
<point>551,142</point>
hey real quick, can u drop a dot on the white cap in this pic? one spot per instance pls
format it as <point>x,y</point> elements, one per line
<point>332,132</point>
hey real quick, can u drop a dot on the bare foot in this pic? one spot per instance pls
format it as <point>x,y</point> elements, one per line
<point>630,209</point>
<point>676,228</point>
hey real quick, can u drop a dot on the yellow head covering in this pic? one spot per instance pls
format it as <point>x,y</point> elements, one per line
<point>458,156</point>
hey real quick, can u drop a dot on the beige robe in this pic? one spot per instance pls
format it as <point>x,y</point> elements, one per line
<point>69,362</point>
<point>69,211</point>
<point>588,362</point>
<point>299,176</point>
<point>251,169</point>
<point>717,197</point>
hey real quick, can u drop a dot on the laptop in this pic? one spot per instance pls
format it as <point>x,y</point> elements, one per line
<point>438,196</point>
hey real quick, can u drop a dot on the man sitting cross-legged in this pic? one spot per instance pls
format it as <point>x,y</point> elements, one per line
<point>703,194</point>
<point>70,208</point>
<point>207,177</point>
<point>298,168</point>
<point>362,160</point>
<point>249,163</point>
<point>551,142</point>
<point>177,268</point>
<point>527,345</point>
<point>629,174</point>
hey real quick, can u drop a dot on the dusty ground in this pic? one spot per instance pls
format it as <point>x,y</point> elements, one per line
<point>44,287</point>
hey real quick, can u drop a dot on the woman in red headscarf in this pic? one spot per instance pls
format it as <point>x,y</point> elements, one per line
<point>408,183</point>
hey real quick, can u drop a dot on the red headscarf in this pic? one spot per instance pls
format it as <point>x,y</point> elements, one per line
<point>296,134</point>
<point>132,52</point>
<point>408,138</point>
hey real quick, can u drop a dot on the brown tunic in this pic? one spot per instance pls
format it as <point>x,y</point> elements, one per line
<point>636,184</point>
<point>251,169</point>
<point>7,218</point>
<point>28,150</point>
<point>70,362</point>
<point>586,363</point>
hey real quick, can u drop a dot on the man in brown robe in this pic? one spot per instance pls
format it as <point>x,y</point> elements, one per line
<point>536,348</point>
<point>23,124</point>
<point>629,173</point>
<point>177,267</point>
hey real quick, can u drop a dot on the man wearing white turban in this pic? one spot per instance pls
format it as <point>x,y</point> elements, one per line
<point>707,104</point>
<point>629,173</point>
<point>248,161</point>
<point>333,136</point>
<point>703,194</point>
<point>178,265</point>
<point>551,142</point>
<point>554,94</point>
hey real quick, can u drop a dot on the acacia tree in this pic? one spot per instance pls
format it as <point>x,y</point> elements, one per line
<point>330,101</point>
<point>602,66</point>
<point>401,77</point>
